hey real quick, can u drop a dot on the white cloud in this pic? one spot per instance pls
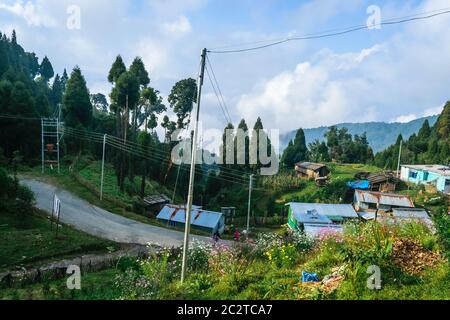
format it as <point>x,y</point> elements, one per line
<point>154,53</point>
<point>314,94</point>
<point>33,13</point>
<point>413,116</point>
<point>179,26</point>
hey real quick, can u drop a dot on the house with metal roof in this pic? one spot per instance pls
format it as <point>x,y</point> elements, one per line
<point>202,220</point>
<point>366,201</point>
<point>435,175</point>
<point>311,170</point>
<point>402,215</point>
<point>314,218</point>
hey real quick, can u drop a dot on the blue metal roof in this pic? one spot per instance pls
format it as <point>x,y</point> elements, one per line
<point>328,210</point>
<point>199,217</point>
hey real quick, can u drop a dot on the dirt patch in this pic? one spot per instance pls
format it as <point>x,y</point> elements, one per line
<point>412,258</point>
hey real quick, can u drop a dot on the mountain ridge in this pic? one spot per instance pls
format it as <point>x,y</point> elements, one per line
<point>379,134</point>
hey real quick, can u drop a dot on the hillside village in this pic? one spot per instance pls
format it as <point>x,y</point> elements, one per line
<point>86,180</point>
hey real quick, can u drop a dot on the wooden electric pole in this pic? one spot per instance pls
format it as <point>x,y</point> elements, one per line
<point>192,172</point>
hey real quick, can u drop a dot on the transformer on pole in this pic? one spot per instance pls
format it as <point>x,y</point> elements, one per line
<point>51,135</point>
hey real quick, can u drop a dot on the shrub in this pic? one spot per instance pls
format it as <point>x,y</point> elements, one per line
<point>14,197</point>
<point>442,223</point>
<point>149,278</point>
<point>198,255</point>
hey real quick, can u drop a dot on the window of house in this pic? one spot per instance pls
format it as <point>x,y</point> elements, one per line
<point>425,176</point>
<point>413,174</point>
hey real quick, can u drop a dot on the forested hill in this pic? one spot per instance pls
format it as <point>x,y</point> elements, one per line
<point>431,145</point>
<point>380,134</point>
<point>25,93</point>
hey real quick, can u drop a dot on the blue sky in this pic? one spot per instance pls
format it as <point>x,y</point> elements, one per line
<point>397,73</point>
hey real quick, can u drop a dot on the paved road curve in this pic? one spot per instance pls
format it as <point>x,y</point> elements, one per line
<point>98,222</point>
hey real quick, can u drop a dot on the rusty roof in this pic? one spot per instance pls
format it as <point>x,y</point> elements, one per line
<point>310,165</point>
<point>390,199</point>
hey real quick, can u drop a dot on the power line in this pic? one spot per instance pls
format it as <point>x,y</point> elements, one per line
<point>217,96</point>
<point>324,31</point>
<point>141,153</point>
<point>332,34</point>
<point>160,153</point>
<point>218,88</point>
<point>14,117</point>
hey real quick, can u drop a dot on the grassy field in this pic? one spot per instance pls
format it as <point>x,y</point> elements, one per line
<point>30,240</point>
<point>94,286</point>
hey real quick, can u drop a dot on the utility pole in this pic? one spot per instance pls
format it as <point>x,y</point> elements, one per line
<point>126,121</point>
<point>57,134</point>
<point>42,144</point>
<point>250,187</point>
<point>103,168</point>
<point>399,158</point>
<point>193,161</point>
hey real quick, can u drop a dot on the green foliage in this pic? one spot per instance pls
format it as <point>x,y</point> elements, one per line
<point>283,182</point>
<point>137,69</point>
<point>442,223</point>
<point>77,109</point>
<point>46,69</point>
<point>99,101</point>
<point>182,99</point>
<point>117,69</point>
<point>318,152</point>
<point>344,148</point>
<point>14,198</point>
<point>296,151</point>
<point>20,96</point>
<point>429,146</point>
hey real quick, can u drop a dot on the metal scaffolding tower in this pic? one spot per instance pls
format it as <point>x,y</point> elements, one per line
<point>50,138</point>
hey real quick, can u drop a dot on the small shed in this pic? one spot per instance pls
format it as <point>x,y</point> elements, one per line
<point>372,201</point>
<point>380,181</point>
<point>155,203</point>
<point>311,170</point>
<point>202,220</point>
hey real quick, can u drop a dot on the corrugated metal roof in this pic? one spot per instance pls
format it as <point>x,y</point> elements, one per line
<point>343,210</point>
<point>411,213</point>
<point>199,217</point>
<point>389,199</point>
<point>312,217</point>
<point>310,165</point>
<point>435,168</point>
<point>156,199</point>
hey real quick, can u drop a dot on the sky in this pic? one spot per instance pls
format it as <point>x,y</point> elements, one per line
<point>396,73</point>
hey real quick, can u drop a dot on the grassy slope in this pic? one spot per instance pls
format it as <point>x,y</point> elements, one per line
<point>94,286</point>
<point>28,240</point>
<point>339,172</point>
<point>92,173</point>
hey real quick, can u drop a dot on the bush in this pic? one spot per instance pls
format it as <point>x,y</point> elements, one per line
<point>198,256</point>
<point>14,197</point>
<point>442,224</point>
<point>149,278</point>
